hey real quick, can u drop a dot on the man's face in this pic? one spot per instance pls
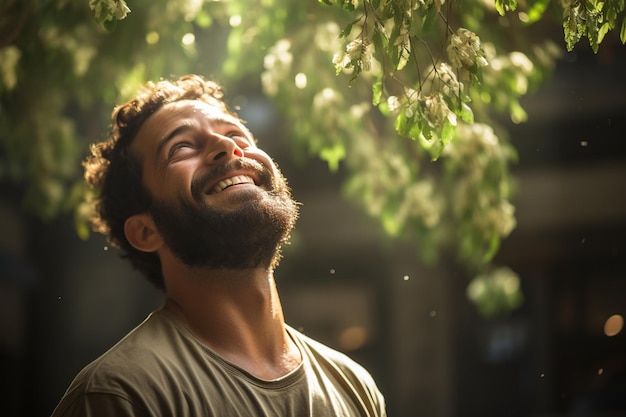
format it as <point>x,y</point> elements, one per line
<point>218,200</point>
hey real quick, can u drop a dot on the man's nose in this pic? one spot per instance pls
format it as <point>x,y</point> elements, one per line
<point>224,148</point>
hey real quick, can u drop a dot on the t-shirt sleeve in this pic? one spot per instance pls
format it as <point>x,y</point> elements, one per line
<point>96,405</point>
<point>363,383</point>
<point>355,379</point>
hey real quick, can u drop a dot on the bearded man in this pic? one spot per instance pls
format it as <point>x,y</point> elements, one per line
<point>181,188</point>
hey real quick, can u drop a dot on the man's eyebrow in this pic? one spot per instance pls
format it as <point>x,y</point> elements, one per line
<point>221,121</point>
<point>171,135</point>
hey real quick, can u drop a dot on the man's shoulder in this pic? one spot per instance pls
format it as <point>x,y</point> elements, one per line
<point>327,356</point>
<point>344,371</point>
<point>134,358</point>
<point>115,378</point>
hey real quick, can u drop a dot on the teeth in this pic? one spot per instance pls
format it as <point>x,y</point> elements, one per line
<point>237,179</point>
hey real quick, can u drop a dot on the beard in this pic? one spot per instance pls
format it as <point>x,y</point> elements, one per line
<point>248,236</point>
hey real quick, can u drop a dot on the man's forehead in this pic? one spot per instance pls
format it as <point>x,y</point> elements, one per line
<point>206,110</point>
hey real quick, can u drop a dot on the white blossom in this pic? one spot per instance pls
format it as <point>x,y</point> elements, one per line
<point>117,8</point>
<point>436,111</point>
<point>277,65</point>
<point>443,80</point>
<point>358,54</point>
<point>421,201</point>
<point>393,103</point>
<point>464,50</point>
<point>502,217</point>
<point>521,61</point>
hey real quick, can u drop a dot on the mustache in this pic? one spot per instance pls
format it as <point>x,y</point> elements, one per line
<point>199,183</point>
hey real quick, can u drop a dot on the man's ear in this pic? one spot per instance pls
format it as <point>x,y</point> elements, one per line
<point>142,233</point>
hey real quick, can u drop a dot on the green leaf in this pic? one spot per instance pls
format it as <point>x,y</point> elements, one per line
<point>494,245</point>
<point>391,225</point>
<point>401,124</point>
<point>383,107</point>
<point>414,130</point>
<point>333,155</point>
<point>447,132</point>
<point>466,114</point>
<point>604,29</point>
<point>500,7</point>
<point>622,31</point>
<point>346,31</point>
<point>82,230</point>
<point>429,20</point>
<point>518,114</point>
<point>537,10</point>
<point>377,91</point>
<point>435,150</point>
<point>204,19</point>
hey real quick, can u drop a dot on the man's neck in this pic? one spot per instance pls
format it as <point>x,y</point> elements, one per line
<point>237,313</point>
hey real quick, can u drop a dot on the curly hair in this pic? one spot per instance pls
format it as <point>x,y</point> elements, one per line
<point>113,173</point>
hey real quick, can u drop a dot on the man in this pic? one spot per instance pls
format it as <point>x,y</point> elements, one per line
<point>182,189</point>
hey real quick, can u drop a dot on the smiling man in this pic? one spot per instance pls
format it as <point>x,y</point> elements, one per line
<point>185,193</point>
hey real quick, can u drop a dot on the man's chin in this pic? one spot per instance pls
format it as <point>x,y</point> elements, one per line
<point>236,229</point>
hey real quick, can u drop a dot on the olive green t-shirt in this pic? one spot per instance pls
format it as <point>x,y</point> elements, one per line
<point>161,369</point>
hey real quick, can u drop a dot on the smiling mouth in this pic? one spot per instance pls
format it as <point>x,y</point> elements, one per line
<point>228,182</point>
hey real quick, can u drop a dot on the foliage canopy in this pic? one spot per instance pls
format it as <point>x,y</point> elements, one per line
<point>403,93</point>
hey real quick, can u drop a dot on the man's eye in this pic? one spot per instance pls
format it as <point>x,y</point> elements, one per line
<point>240,137</point>
<point>236,135</point>
<point>179,147</point>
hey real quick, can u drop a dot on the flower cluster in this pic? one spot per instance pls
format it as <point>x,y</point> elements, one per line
<point>422,201</point>
<point>436,111</point>
<point>277,64</point>
<point>107,9</point>
<point>481,191</point>
<point>477,143</point>
<point>357,57</point>
<point>465,51</point>
<point>495,291</point>
<point>446,81</point>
